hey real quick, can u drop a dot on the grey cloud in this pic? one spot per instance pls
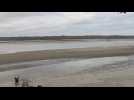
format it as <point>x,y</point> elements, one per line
<point>58,23</point>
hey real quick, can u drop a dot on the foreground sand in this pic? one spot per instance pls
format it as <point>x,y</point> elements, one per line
<point>66,53</point>
<point>116,74</point>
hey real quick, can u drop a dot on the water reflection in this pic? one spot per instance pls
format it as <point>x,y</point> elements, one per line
<point>12,47</point>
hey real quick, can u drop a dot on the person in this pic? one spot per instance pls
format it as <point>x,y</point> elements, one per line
<point>16,80</point>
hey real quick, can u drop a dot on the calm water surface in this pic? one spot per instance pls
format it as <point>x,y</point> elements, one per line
<point>13,47</point>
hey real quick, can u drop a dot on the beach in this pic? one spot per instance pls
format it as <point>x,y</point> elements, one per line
<point>65,53</point>
<point>108,65</point>
<point>98,72</point>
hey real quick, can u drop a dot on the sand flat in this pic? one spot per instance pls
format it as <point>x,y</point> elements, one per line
<point>77,72</point>
<point>109,65</point>
<point>66,53</point>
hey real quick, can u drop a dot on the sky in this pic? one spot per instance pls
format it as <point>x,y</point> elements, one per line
<point>65,23</point>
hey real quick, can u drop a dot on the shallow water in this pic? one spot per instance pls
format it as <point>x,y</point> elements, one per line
<point>13,47</point>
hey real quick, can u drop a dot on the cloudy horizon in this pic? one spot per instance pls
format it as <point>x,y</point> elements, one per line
<point>65,23</point>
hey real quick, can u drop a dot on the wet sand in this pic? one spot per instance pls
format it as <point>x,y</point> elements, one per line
<point>66,53</point>
<point>105,66</point>
<point>107,71</point>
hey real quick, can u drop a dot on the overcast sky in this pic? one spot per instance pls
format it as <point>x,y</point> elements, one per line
<point>66,23</point>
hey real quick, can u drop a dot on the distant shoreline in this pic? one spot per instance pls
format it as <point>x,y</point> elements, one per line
<point>68,40</point>
<point>65,37</point>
